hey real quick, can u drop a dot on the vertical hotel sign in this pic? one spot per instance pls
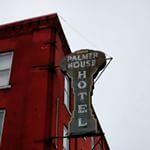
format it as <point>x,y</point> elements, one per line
<point>82,67</point>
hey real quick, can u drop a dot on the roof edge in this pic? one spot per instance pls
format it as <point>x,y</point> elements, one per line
<point>27,25</point>
<point>28,20</point>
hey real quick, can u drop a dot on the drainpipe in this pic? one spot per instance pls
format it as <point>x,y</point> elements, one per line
<point>57,120</point>
<point>51,71</point>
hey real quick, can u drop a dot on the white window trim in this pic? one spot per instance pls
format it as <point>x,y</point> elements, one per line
<point>92,142</point>
<point>65,130</point>
<point>67,102</point>
<point>2,125</point>
<point>10,68</point>
<point>5,86</point>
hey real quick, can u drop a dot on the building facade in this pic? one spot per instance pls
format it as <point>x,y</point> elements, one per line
<point>36,99</point>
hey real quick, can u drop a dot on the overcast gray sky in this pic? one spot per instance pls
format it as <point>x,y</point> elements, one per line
<point>122,30</point>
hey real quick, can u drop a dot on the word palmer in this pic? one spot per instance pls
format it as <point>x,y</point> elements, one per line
<point>82,100</point>
<point>82,60</point>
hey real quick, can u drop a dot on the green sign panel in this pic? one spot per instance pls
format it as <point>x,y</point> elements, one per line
<point>82,67</point>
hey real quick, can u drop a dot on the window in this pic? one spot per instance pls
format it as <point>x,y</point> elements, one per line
<point>2,114</point>
<point>92,143</point>
<point>66,92</point>
<point>5,68</point>
<point>65,140</point>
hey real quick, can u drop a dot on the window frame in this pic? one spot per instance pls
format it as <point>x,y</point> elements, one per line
<point>67,92</point>
<point>92,142</point>
<point>2,123</point>
<point>65,139</point>
<point>9,68</point>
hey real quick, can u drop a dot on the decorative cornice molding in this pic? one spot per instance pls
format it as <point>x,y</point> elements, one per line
<point>30,25</point>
